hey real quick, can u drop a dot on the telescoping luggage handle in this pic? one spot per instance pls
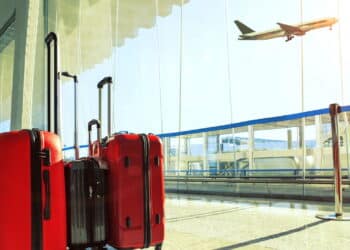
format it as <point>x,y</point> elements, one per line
<point>76,125</point>
<point>98,126</point>
<point>55,127</point>
<point>104,81</point>
<point>52,37</point>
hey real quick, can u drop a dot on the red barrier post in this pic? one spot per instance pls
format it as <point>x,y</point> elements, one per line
<point>334,110</point>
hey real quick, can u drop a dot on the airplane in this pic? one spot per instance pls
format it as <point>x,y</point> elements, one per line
<point>285,30</point>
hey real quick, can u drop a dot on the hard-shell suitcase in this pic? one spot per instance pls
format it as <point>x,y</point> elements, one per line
<point>85,192</point>
<point>32,189</point>
<point>135,186</point>
<point>136,191</point>
<point>86,198</point>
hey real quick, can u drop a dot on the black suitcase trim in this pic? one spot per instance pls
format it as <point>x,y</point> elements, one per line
<point>147,200</point>
<point>36,191</point>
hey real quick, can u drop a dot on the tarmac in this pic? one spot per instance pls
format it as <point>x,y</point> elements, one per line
<point>214,222</point>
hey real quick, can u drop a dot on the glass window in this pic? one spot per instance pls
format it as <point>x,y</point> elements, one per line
<point>7,49</point>
<point>196,146</point>
<point>195,168</point>
<point>227,143</point>
<point>213,167</point>
<point>212,144</point>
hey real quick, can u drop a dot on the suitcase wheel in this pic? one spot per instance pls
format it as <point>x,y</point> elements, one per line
<point>158,247</point>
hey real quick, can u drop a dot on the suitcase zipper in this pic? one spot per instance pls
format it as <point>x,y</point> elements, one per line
<point>147,204</point>
<point>36,191</point>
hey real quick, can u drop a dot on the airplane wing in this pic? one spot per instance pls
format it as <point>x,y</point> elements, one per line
<point>290,29</point>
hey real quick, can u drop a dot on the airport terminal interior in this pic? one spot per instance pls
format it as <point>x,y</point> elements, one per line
<point>250,98</point>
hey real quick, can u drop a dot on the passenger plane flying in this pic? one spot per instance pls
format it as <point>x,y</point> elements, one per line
<point>289,31</point>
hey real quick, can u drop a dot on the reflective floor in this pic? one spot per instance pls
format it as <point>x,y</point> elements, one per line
<point>197,222</point>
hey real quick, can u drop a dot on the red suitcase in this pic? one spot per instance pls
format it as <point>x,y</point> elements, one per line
<point>136,191</point>
<point>32,189</point>
<point>136,186</point>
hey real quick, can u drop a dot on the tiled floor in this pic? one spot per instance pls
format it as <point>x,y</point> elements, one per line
<point>197,222</point>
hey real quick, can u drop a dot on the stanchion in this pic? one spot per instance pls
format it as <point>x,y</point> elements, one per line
<point>334,110</point>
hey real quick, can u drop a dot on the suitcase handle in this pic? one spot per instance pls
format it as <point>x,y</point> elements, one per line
<point>90,125</point>
<point>76,125</point>
<point>98,125</point>
<point>52,37</point>
<point>100,85</point>
<point>67,74</point>
<point>105,80</point>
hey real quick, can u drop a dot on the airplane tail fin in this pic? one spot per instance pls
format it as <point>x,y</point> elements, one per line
<point>243,28</point>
